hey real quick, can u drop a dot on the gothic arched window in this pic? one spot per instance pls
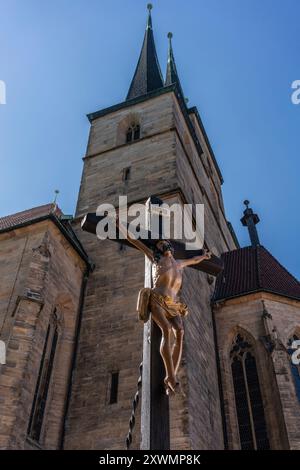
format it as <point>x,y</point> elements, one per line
<point>133,133</point>
<point>248,399</point>
<point>44,379</point>
<point>295,368</point>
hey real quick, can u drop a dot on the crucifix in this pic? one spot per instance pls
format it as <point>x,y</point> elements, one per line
<point>162,313</point>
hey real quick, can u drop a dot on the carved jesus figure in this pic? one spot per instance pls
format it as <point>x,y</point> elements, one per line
<point>166,308</point>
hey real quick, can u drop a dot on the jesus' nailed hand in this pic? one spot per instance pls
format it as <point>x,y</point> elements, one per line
<point>166,309</point>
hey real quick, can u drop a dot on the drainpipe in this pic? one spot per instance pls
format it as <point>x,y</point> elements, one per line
<point>224,426</point>
<point>75,351</point>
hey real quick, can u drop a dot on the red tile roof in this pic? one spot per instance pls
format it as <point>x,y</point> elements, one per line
<point>254,269</point>
<point>29,215</point>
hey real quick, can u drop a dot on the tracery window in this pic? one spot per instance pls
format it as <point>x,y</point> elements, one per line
<point>248,399</point>
<point>44,380</point>
<point>133,133</point>
<point>295,368</point>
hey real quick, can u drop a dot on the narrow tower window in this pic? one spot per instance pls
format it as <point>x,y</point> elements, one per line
<point>44,379</point>
<point>248,399</point>
<point>126,173</point>
<point>114,385</point>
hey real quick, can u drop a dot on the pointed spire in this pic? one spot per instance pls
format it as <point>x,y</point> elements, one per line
<point>250,220</point>
<point>147,76</point>
<point>171,74</point>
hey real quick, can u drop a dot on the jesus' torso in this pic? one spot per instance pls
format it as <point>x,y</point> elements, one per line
<point>167,277</point>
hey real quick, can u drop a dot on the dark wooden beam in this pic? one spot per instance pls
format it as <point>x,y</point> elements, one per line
<point>212,266</point>
<point>160,419</point>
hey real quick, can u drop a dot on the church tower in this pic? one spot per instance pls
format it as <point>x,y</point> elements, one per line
<point>151,143</point>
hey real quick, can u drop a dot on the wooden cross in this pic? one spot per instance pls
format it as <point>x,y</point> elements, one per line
<point>155,427</point>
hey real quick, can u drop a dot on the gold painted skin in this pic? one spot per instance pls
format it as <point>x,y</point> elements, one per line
<point>167,279</point>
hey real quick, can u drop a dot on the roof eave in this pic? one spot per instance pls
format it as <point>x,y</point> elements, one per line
<point>127,103</point>
<point>255,291</point>
<point>194,110</point>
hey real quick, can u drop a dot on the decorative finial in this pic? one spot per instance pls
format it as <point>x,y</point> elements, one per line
<point>149,20</point>
<point>170,52</point>
<point>56,194</point>
<point>250,220</point>
<point>186,100</point>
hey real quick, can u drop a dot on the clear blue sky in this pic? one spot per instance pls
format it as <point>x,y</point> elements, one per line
<point>62,59</point>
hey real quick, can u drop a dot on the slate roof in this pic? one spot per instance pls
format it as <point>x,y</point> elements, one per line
<point>254,269</point>
<point>147,76</point>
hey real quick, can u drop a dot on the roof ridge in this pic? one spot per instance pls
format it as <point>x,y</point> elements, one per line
<point>27,210</point>
<point>281,265</point>
<point>12,220</point>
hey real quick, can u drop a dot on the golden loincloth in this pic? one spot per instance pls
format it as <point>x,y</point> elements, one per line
<point>172,307</point>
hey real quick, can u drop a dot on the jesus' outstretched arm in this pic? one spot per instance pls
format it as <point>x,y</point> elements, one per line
<point>183,263</point>
<point>135,242</point>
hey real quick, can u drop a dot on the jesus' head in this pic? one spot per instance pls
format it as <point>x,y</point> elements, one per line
<point>163,248</point>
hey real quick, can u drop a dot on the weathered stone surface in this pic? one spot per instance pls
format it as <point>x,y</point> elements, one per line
<point>56,281</point>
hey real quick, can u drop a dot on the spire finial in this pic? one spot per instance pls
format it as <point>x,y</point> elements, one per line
<point>54,203</point>
<point>170,52</point>
<point>149,20</point>
<point>56,192</point>
<point>250,220</point>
